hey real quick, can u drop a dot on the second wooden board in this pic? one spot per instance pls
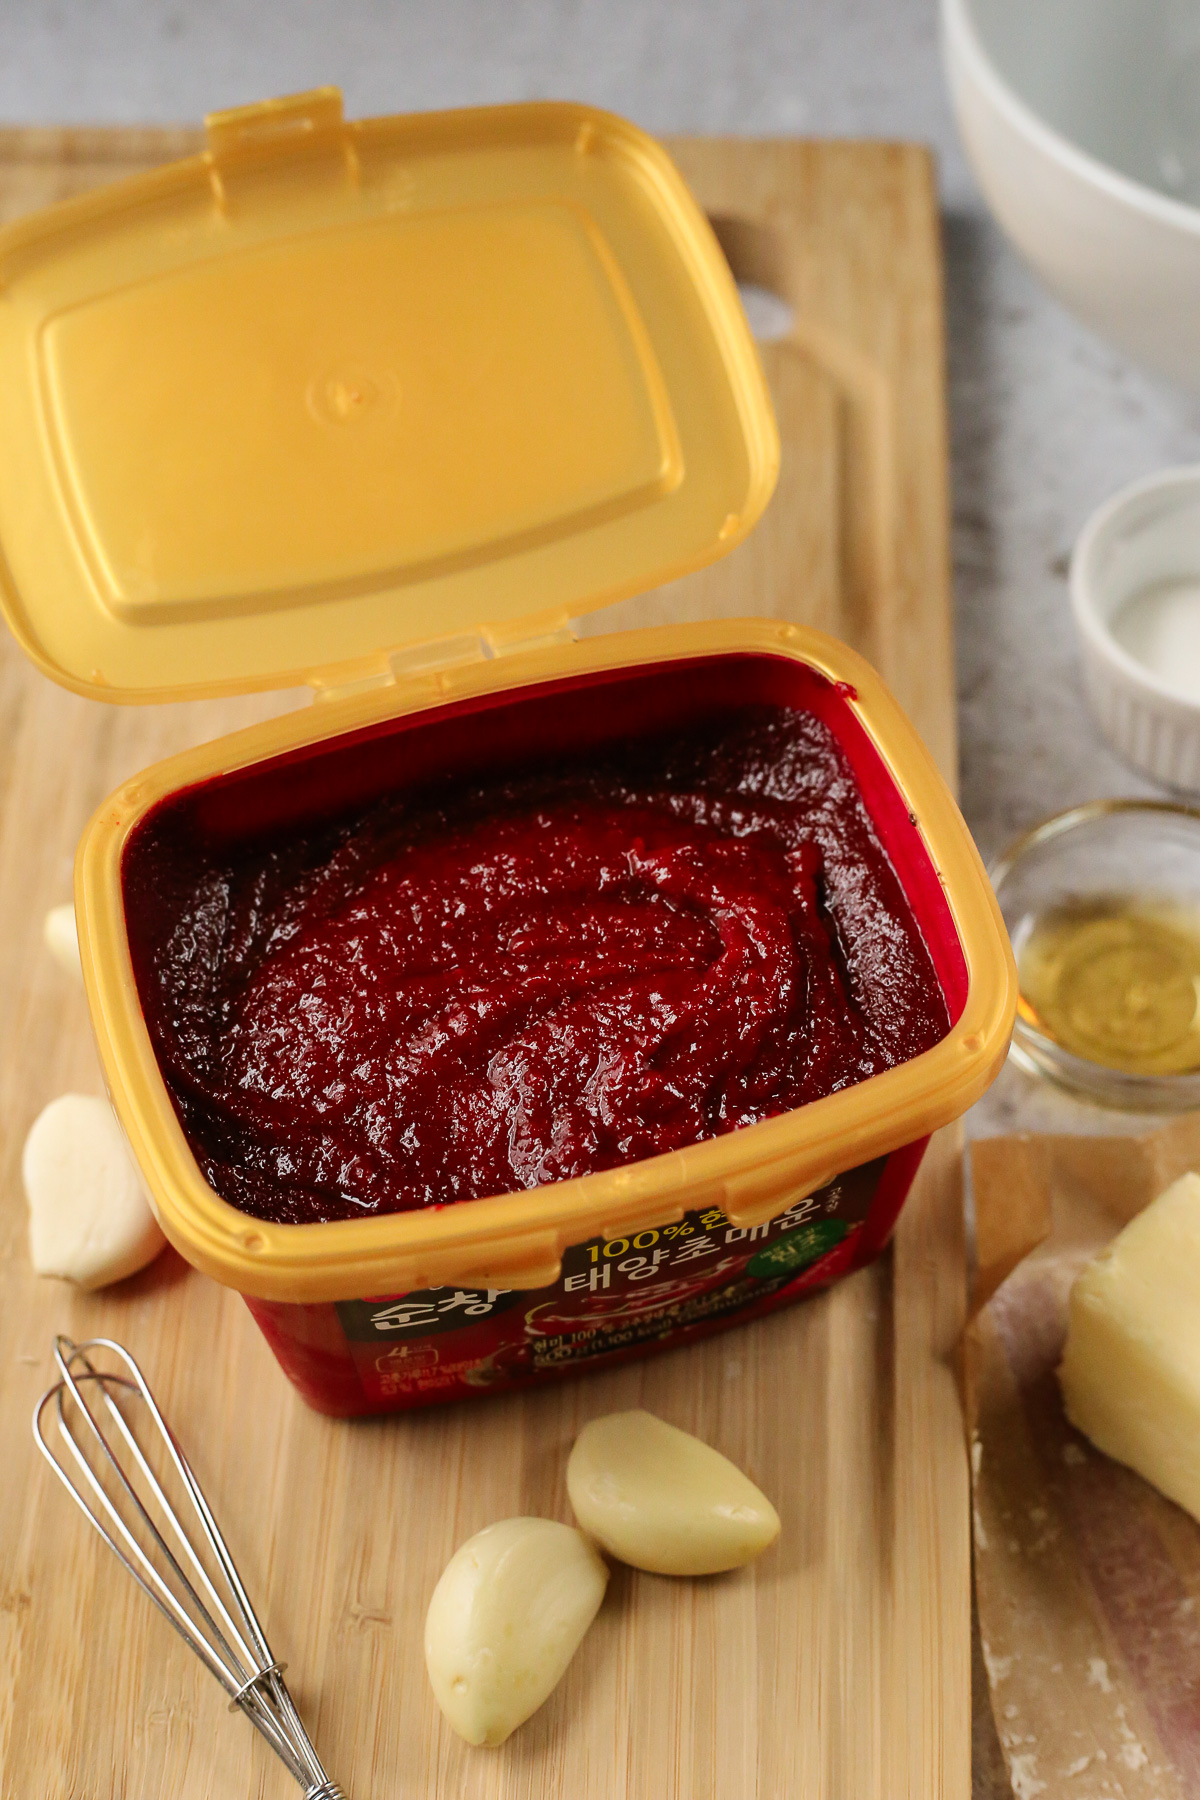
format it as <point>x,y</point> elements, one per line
<point>838,1667</point>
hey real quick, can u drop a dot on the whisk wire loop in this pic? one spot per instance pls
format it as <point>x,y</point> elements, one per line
<point>157,1588</point>
<point>223,1631</point>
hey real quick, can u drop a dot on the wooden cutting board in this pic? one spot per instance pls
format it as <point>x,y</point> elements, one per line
<point>837,1668</point>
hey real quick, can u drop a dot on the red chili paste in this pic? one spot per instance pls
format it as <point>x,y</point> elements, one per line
<point>487,986</point>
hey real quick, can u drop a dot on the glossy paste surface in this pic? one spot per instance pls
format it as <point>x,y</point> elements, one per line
<point>485,986</point>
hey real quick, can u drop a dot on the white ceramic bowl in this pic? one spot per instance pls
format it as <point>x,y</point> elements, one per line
<point>1143,546</point>
<point>1081,119</point>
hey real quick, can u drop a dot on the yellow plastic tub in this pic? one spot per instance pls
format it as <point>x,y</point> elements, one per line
<point>380,406</point>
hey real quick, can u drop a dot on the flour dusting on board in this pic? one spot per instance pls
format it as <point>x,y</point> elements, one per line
<point>1023,1770</point>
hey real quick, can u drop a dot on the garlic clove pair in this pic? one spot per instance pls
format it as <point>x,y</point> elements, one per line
<point>514,1603</point>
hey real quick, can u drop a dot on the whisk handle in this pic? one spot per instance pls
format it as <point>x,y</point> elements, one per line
<point>326,1790</point>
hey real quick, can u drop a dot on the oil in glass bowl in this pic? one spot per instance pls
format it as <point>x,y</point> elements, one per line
<point>1102,905</point>
<point>1116,980</point>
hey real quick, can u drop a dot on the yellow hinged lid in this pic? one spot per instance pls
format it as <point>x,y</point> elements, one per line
<point>330,389</point>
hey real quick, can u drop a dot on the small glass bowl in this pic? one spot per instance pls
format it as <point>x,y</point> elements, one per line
<point>1146,852</point>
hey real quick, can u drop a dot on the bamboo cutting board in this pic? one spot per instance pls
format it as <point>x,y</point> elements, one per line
<point>839,1667</point>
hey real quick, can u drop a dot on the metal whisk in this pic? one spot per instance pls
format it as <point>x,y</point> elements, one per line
<point>181,1563</point>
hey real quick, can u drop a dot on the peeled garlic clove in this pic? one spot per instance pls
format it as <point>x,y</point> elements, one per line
<point>62,939</point>
<point>506,1617</point>
<point>660,1499</point>
<point>89,1219</point>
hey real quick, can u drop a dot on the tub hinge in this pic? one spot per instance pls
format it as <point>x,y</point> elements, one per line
<point>298,126</point>
<point>433,664</point>
<point>426,665</point>
<point>547,632</point>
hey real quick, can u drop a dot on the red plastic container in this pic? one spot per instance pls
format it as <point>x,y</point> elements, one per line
<point>482,1296</point>
<point>383,406</point>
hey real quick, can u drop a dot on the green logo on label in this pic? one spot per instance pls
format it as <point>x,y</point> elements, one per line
<point>796,1249</point>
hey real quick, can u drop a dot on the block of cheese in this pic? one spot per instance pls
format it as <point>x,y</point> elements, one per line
<point>1130,1372</point>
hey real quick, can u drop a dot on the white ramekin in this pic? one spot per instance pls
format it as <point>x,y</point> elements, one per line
<point>1148,532</point>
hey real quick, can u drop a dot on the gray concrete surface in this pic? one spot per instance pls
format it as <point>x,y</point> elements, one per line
<point>707,65</point>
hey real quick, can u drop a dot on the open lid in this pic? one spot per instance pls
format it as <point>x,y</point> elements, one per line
<point>272,413</point>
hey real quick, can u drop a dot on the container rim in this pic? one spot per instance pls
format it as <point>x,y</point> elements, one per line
<point>517,1240</point>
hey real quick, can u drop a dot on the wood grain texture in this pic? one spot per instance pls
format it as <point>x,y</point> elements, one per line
<point>839,1668</point>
